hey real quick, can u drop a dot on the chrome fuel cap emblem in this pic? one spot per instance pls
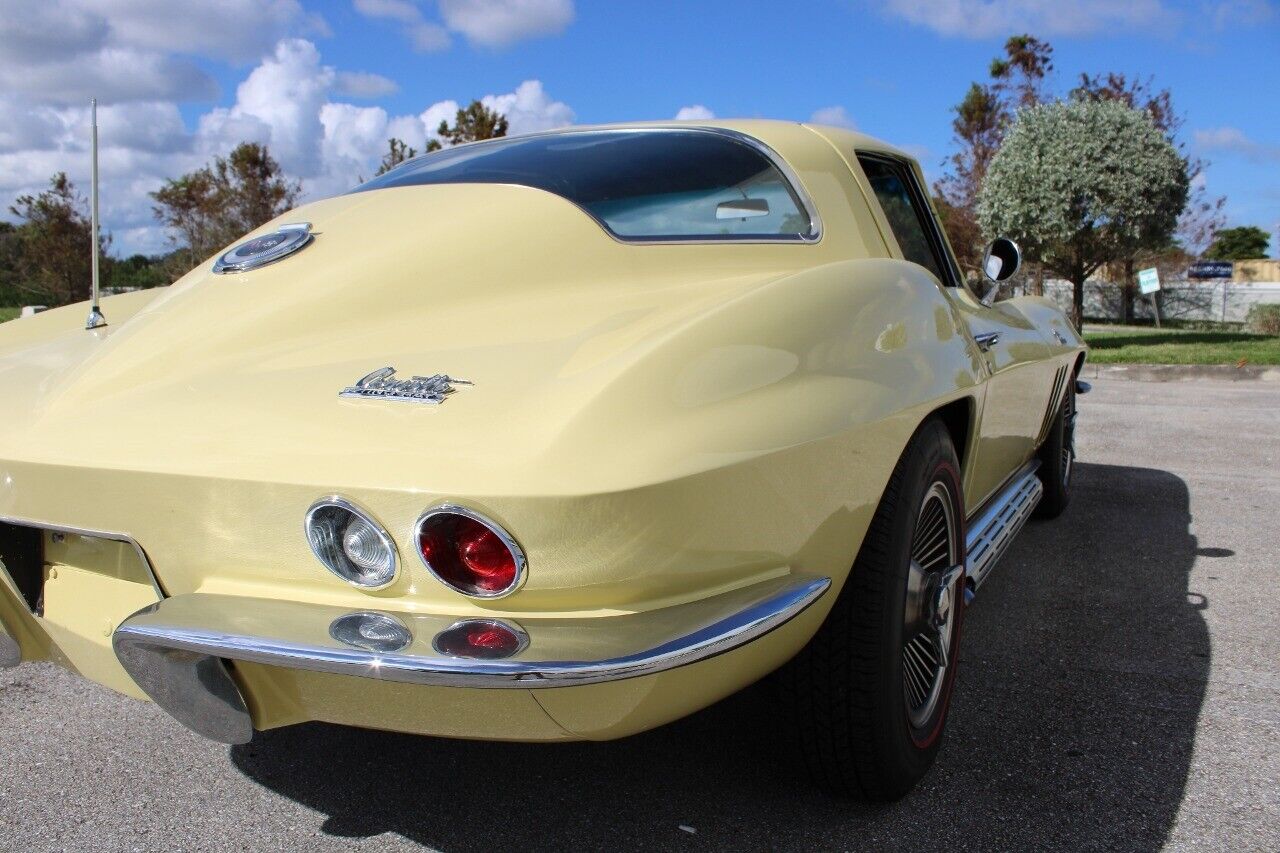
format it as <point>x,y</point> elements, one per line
<point>266,249</point>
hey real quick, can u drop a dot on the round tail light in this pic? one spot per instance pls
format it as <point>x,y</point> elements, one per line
<point>351,544</point>
<point>469,552</point>
<point>481,639</point>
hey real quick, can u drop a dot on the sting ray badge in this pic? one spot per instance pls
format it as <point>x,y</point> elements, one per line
<point>383,385</point>
<point>267,249</point>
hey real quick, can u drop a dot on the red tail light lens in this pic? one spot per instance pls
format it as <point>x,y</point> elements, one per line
<point>482,639</point>
<point>469,552</point>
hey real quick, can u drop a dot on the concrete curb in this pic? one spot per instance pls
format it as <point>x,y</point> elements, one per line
<point>1182,372</point>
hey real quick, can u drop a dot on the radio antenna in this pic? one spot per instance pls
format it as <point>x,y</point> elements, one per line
<point>95,320</point>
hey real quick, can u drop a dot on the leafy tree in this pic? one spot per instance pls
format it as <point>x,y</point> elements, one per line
<point>472,124</point>
<point>1083,183</point>
<point>1203,214</point>
<point>49,252</point>
<point>214,205</point>
<point>397,152</point>
<point>981,119</point>
<point>1020,76</point>
<point>138,272</point>
<point>1239,244</point>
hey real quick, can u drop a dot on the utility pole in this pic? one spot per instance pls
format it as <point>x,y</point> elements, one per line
<point>95,319</point>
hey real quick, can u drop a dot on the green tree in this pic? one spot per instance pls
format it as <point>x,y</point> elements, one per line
<point>1239,244</point>
<point>50,250</point>
<point>137,272</point>
<point>1084,183</point>
<point>212,206</point>
<point>397,152</point>
<point>1203,213</point>
<point>472,124</point>
<point>981,119</point>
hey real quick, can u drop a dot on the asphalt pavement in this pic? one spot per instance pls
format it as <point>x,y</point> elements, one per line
<point>1119,689</point>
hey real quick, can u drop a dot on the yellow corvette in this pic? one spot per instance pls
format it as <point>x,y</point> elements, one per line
<point>555,437</point>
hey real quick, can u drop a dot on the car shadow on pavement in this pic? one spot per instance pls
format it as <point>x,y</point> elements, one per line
<point>1084,666</point>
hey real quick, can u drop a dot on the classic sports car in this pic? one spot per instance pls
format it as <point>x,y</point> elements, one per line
<point>555,437</point>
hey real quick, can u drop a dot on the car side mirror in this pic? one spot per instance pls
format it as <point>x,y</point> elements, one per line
<point>1003,258</point>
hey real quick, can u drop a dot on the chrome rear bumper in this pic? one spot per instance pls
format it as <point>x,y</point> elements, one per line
<point>174,649</point>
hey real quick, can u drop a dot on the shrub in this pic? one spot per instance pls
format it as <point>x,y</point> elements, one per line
<point>1265,318</point>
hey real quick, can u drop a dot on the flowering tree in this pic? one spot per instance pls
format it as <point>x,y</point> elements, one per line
<point>1083,183</point>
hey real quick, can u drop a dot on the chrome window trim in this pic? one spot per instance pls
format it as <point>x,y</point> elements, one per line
<point>351,506</point>
<point>776,160</point>
<point>93,534</point>
<point>522,563</point>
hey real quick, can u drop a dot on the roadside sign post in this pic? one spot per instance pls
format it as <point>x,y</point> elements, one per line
<point>1149,284</point>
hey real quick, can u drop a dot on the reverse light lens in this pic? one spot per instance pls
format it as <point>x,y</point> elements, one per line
<point>469,552</point>
<point>374,632</point>
<point>481,639</point>
<point>351,544</point>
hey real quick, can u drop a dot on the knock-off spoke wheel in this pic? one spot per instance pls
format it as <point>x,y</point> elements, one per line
<point>931,604</point>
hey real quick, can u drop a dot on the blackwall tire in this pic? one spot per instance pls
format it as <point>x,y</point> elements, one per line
<point>868,725</point>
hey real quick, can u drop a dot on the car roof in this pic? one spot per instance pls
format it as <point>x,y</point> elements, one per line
<point>765,130</point>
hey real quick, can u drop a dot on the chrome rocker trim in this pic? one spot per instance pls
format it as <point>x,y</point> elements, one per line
<point>174,649</point>
<point>991,533</point>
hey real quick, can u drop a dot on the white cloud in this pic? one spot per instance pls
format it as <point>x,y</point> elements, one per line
<point>988,18</point>
<point>226,29</point>
<point>1236,141</point>
<point>836,116</point>
<point>529,109</point>
<point>64,51</point>
<point>362,84</point>
<point>499,23</point>
<point>1242,12</point>
<point>694,112</point>
<point>291,101</point>
<point>487,23</point>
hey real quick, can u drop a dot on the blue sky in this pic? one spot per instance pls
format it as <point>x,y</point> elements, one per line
<point>324,82</point>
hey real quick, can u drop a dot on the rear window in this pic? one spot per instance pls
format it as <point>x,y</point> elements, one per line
<point>638,184</point>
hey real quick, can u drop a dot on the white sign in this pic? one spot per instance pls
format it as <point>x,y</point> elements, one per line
<point>1148,281</point>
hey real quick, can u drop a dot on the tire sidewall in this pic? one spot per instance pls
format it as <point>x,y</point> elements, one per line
<point>905,748</point>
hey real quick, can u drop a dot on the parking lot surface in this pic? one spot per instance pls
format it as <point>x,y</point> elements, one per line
<point>1119,689</point>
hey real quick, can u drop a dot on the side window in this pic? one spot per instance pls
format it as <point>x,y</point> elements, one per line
<point>909,220</point>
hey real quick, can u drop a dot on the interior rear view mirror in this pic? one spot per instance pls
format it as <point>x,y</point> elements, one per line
<point>742,208</point>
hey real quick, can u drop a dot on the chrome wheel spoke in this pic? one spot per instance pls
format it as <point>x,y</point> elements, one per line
<point>931,601</point>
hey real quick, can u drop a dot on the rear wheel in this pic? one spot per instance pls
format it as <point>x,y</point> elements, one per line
<point>1057,458</point>
<point>871,691</point>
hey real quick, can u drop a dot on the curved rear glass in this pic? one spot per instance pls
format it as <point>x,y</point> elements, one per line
<point>654,185</point>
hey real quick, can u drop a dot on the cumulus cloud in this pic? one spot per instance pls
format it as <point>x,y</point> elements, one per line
<point>836,116</point>
<point>487,23</point>
<point>291,101</point>
<point>694,112</point>
<point>137,50</point>
<point>1236,141</point>
<point>362,84</point>
<point>990,18</point>
<point>498,23</point>
<point>529,108</point>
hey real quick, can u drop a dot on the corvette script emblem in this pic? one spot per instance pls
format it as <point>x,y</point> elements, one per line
<point>383,385</point>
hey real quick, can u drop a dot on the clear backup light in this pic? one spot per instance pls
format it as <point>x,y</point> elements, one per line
<point>469,552</point>
<point>351,544</point>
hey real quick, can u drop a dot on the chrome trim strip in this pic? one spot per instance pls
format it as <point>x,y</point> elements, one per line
<point>991,533</point>
<point>517,553</point>
<point>806,201</point>
<point>94,534</point>
<point>172,649</point>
